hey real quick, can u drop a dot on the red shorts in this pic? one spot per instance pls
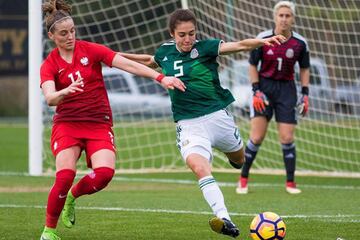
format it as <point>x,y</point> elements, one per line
<point>89,136</point>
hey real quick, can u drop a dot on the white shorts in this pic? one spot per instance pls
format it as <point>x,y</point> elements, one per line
<point>199,135</point>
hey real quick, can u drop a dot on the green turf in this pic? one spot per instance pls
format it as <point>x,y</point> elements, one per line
<point>335,150</point>
<point>13,148</point>
<point>129,208</point>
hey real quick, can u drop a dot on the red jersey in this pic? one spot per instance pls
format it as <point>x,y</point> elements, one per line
<point>92,104</point>
<point>277,62</point>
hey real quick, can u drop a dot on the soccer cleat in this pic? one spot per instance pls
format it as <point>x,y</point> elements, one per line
<point>224,226</point>
<point>49,234</point>
<point>68,213</point>
<point>242,186</point>
<point>291,188</point>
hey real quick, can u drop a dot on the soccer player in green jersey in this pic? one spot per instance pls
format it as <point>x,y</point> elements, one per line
<point>201,119</point>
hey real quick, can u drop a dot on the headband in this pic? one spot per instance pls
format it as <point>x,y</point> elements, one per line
<point>61,19</point>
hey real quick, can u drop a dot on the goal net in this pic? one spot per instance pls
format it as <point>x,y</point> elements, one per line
<point>327,139</point>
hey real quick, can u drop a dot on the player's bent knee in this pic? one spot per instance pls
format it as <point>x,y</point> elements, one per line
<point>201,170</point>
<point>103,176</point>
<point>237,157</point>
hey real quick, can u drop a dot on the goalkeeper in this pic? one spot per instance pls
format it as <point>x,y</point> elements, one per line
<point>201,119</point>
<point>275,92</point>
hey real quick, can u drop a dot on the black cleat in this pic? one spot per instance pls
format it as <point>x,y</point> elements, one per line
<point>224,226</point>
<point>236,165</point>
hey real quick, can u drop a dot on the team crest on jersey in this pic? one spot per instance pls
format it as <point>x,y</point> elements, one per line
<point>194,53</point>
<point>84,61</point>
<point>289,53</point>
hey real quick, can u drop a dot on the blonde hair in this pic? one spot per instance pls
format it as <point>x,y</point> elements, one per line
<point>287,4</point>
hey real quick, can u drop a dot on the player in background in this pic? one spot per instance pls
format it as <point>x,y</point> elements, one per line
<point>201,119</point>
<point>275,91</point>
<point>71,80</point>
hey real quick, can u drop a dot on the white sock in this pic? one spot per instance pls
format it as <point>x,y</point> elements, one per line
<point>213,196</point>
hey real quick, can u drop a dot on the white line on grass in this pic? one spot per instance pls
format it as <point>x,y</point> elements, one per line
<point>326,218</point>
<point>223,184</point>
<point>233,184</point>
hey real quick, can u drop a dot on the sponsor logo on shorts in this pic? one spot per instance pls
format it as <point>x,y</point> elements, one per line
<point>237,133</point>
<point>184,143</point>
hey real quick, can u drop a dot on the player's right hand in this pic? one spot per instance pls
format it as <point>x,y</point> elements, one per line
<point>260,101</point>
<point>271,41</point>
<point>76,86</point>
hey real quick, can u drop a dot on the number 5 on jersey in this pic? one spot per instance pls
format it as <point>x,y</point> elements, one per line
<point>179,67</point>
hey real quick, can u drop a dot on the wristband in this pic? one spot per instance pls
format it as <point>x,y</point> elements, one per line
<point>255,86</point>
<point>305,90</point>
<point>160,77</point>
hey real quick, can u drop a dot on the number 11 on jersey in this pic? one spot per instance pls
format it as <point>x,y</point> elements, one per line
<point>71,76</point>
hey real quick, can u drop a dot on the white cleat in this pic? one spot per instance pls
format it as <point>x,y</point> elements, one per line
<point>242,190</point>
<point>293,190</point>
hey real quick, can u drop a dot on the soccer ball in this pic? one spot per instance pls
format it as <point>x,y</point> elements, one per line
<point>267,226</point>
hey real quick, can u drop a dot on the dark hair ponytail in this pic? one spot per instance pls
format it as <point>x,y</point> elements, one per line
<point>55,10</point>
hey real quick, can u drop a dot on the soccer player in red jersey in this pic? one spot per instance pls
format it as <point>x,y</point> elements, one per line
<point>71,80</point>
<point>275,92</point>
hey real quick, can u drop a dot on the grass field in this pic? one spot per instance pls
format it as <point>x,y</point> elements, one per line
<point>320,146</point>
<point>170,205</point>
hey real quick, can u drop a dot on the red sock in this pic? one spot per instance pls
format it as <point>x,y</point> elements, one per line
<point>57,196</point>
<point>243,182</point>
<point>93,182</point>
<point>290,184</point>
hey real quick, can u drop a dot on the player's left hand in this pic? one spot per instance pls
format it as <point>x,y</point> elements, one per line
<point>271,41</point>
<point>172,83</point>
<point>303,105</point>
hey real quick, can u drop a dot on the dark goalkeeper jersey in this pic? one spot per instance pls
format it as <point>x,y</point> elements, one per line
<point>277,62</point>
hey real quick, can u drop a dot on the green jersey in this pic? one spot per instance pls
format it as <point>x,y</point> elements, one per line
<point>198,69</point>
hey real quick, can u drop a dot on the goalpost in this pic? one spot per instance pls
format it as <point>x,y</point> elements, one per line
<point>327,140</point>
<point>35,106</point>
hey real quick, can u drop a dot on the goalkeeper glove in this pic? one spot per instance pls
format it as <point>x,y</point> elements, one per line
<point>260,100</point>
<point>303,104</point>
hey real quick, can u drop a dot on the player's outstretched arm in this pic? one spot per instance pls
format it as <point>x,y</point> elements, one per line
<point>144,71</point>
<point>53,97</point>
<point>250,44</point>
<point>145,59</point>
